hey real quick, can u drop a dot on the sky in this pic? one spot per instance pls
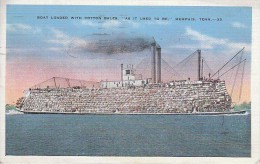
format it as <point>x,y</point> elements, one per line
<point>92,48</point>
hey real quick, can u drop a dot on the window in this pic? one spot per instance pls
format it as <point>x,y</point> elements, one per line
<point>127,72</point>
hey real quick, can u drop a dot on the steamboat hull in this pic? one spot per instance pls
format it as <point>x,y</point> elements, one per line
<point>182,97</point>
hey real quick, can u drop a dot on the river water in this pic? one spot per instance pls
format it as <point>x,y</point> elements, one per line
<point>128,135</point>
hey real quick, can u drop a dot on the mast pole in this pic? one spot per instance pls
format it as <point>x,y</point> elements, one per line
<point>199,62</point>
<point>122,74</point>
<point>68,82</point>
<point>54,82</point>
<point>202,68</point>
<point>81,83</point>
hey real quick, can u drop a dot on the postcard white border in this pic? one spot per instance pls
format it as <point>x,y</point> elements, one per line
<point>255,87</point>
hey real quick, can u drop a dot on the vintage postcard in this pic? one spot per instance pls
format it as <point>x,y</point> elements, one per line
<point>129,81</point>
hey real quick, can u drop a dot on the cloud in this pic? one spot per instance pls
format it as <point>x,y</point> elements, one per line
<point>89,23</point>
<point>238,25</point>
<point>59,37</point>
<point>55,49</point>
<point>133,24</point>
<point>204,41</point>
<point>20,50</point>
<point>209,41</point>
<point>192,46</point>
<point>110,24</point>
<point>159,22</point>
<point>239,45</point>
<point>19,27</point>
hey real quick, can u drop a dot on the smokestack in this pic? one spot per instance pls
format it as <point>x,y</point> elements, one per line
<point>153,58</point>
<point>158,64</point>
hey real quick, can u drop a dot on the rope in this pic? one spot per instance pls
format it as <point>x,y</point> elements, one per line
<point>242,79</point>
<point>187,58</point>
<point>232,67</point>
<point>234,82</point>
<point>228,61</point>
<point>171,68</point>
<point>210,70</point>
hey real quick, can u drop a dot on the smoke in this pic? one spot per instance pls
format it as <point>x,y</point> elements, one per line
<point>109,44</point>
